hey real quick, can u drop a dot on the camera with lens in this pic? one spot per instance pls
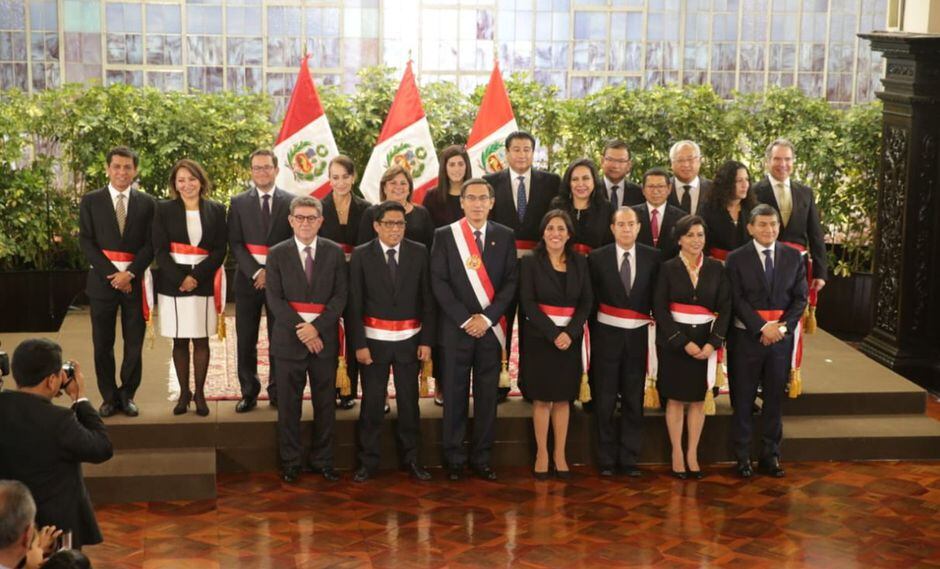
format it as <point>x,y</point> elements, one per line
<point>4,364</point>
<point>69,369</point>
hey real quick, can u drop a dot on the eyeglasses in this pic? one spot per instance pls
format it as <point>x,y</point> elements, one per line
<point>267,168</point>
<point>657,186</point>
<point>617,160</point>
<point>301,219</point>
<point>473,198</point>
<point>392,224</point>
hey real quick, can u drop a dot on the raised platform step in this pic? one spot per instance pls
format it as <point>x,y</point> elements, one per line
<point>154,475</point>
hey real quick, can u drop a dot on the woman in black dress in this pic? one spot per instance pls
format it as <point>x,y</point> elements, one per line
<point>589,209</point>
<point>342,214</point>
<point>397,185</point>
<point>726,211</point>
<point>691,290</point>
<point>189,244</point>
<point>556,297</point>
<point>443,201</point>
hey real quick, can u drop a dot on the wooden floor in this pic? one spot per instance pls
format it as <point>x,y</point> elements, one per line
<point>834,515</point>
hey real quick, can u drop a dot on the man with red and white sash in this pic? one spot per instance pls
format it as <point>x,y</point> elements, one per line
<point>769,292</point>
<point>474,278</point>
<point>623,274</point>
<point>257,220</point>
<point>115,237</point>
<point>390,324</point>
<point>306,291</point>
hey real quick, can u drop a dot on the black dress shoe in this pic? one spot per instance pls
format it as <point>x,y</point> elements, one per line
<point>502,397</point>
<point>107,409</point>
<point>130,408</point>
<point>696,474</point>
<point>771,467</point>
<point>438,400</point>
<point>631,470</point>
<point>744,469</point>
<point>361,475</point>
<point>327,472</point>
<point>680,475</point>
<point>484,472</point>
<point>541,475</point>
<point>182,404</point>
<point>454,473</point>
<point>246,405</point>
<point>416,471</point>
<point>345,403</point>
<point>563,474</point>
<point>607,471</point>
<point>290,474</point>
<point>386,410</point>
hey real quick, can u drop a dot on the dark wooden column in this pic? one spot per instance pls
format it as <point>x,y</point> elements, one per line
<point>906,333</point>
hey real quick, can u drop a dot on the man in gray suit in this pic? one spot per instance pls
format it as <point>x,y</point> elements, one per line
<point>688,190</point>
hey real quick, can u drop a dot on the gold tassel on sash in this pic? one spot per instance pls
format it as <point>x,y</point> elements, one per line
<point>651,395</point>
<point>427,371</point>
<point>796,383</point>
<point>504,372</point>
<point>721,379</point>
<point>220,328</point>
<point>709,402</point>
<point>585,394</point>
<point>809,320</point>
<point>342,378</point>
<point>151,333</point>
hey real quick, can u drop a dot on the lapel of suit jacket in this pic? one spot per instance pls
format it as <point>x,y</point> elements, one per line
<point>759,267</point>
<point>490,245</point>
<point>573,278</point>
<point>381,263</point>
<point>548,269</point>
<point>770,198</point>
<point>109,213</point>
<point>280,200</point>
<point>204,221</point>
<point>778,273</point>
<point>614,263</point>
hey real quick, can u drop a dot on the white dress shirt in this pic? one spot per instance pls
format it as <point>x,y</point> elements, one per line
<point>514,178</point>
<point>620,187</point>
<point>114,195</point>
<point>385,249</point>
<point>632,259</point>
<point>261,197</point>
<point>760,252</point>
<point>302,253</point>
<point>694,190</point>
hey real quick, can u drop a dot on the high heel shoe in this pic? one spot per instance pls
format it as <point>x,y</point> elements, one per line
<point>202,408</point>
<point>680,475</point>
<point>182,404</point>
<point>541,475</point>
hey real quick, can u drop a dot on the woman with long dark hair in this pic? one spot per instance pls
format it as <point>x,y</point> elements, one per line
<point>725,213</point>
<point>588,208</point>
<point>443,201</point>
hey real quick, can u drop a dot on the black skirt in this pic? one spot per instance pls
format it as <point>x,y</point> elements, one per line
<point>681,377</point>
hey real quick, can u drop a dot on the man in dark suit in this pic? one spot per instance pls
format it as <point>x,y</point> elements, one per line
<point>474,289</point>
<point>769,290</point>
<point>257,220</point>
<point>623,275</point>
<point>523,196</point>
<point>114,234</point>
<point>306,291</point>
<point>689,192</point>
<point>616,165</point>
<point>794,201</point>
<point>657,218</point>
<point>391,324</point>
<point>43,444</point>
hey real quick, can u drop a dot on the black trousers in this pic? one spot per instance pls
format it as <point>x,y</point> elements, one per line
<point>372,411</point>
<point>247,319</point>
<point>292,377</point>
<point>751,364</point>
<point>619,440</point>
<point>482,357</point>
<point>133,327</point>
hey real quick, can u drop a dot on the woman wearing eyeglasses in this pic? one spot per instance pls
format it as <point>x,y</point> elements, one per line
<point>397,185</point>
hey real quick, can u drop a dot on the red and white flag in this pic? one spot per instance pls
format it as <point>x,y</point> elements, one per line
<point>305,144</point>
<point>494,122</point>
<point>405,140</point>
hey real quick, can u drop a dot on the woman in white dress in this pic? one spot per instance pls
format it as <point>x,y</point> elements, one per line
<point>189,243</point>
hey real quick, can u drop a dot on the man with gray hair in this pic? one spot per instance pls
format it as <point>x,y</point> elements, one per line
<point>17,511</point>
<point>306,291</point>
<point>688,190</point>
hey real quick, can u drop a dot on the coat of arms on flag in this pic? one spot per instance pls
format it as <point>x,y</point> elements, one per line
<point>494,122</point>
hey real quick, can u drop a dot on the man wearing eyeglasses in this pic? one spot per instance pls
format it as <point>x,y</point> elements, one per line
<point>257,219</point>
<point>689,191</point>
<point>616,165</point>
<point>390,325</point>
<point>656,215</point>
<point>306,291</point>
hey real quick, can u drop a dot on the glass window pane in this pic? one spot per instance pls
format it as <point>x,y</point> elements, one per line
<point>204,19</point>
<point>163,18</point>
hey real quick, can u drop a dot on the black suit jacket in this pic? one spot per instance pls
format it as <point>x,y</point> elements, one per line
<point>751,293</point>
<point>169,225</point>
<point>539,284</point>
<point>608,289</point>
<point>451,286</point>
<point>667,242</point>
<point>98,230</point>
<point>244,227</point>
<point>43,446</point>
<point>544,189</point>
<point>287,282</point>
<point>419,226</point>
<point>804,227</point>
<point>704,192</point>
<point>348,234</point>
<point>713,292</point>
<point>629,194</point>
<point>372,293</point>
<point>720,230</point>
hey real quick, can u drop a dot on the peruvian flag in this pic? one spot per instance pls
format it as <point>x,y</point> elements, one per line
<point>305,144</point>
<point>405,140</point>
<point>495,121</point>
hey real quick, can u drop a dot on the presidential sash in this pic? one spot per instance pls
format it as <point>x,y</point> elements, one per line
<point>479,279</point>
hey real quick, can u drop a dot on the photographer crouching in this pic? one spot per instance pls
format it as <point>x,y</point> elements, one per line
<point>43,445</point>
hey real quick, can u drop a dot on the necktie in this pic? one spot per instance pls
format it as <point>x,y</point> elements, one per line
<point>476,237</point>
<point>308,264</point>
<point>392,264</point>
<point>654,226</point>
<point>520,198</point>
<point>120,210</point>
<point>614,198</point>
<point>626,274</point>
<point>785,203</point>
<point>265,213</point>
<point>769,267</point>
<point>686,202</point>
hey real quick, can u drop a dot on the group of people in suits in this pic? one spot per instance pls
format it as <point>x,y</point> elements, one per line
<point>610,268</point>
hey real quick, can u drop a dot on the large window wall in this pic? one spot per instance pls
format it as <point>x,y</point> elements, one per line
<point>577,45</point>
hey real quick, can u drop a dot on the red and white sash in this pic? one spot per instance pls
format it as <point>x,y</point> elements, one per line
<point>479,279</point>
<point>390,330</point>
<point>627,319</point>
<point>259,252</point>
<point>796,356</point>
<point>694,314</point>
<point>120,259</point>
<point>582,248</point>
<point>186,254</point>
<point>813,294</point>
<point>720,254</point>
<point>347,249</point>
<point>307,311</point>
<point>561,316</point>
<point>524,247</point>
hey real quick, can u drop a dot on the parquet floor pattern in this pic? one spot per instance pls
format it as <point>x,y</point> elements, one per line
<point>832,515</point>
